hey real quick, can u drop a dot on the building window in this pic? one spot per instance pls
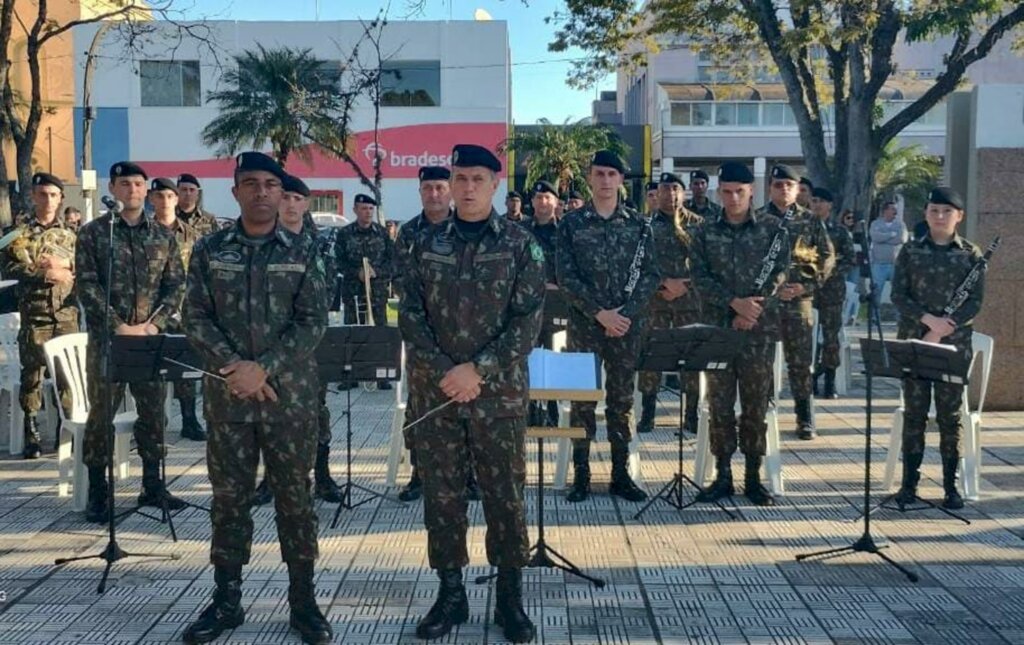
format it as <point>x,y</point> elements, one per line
<point>702,114</point>
<point>170,83</point>
<point>680,114</point>
<point>411,84</point>
<point>747,114</point>
<point>326,201</point>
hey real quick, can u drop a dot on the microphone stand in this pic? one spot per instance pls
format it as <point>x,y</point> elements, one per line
<point>866,543</point>
<point>112,552</point>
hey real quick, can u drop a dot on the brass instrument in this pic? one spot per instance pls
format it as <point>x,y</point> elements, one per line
<point>805,257</point>
<point>56,242</point>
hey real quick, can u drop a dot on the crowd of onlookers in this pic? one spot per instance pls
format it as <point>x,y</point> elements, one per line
<point>888,233</point>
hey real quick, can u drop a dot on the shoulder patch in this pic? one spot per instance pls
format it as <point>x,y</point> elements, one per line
<point>229,256</point>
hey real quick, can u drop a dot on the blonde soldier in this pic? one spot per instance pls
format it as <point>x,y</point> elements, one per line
<point>42,260</point>
<point>675,303</point>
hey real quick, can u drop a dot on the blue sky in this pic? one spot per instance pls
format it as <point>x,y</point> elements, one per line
<point>538,76</point>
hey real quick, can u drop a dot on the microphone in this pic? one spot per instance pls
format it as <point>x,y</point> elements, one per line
<point>115,206</point>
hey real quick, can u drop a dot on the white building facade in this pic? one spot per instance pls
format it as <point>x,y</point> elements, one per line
<point>447,83</point>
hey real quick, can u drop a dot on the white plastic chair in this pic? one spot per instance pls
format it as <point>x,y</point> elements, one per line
<point>844,375</point>
<point>772,466</point>
<point>970,461</point>
<point>68,355</point>
<point>10,379</point>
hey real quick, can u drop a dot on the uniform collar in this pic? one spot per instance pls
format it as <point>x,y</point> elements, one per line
<point>620,211</point>
<point>751,220</point>
<point>957,241</point>
<point>279,233</point>
<point>493,222</point>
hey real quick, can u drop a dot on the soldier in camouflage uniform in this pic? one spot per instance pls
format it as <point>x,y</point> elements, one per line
<point>255,310</point>
<point>145,294</point>
<point>198,222</point>
<point>804,193</point>
<point>675,304</point>
<point>699,202</point>
<point>928,272</point>
<point>608,273</point>
<point>544,228</point>
<point>728,256</point>
<point>811,264</point>
<point>365,238</point>
<point>514,207</point>
<point>830,298</point>
<point>45,292</point>
<point>575,201</point>
<point>473,294</point>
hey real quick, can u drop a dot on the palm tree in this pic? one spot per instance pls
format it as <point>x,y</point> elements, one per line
<point>562,153</point>
<point>909,172</point>
<point>259,102</point>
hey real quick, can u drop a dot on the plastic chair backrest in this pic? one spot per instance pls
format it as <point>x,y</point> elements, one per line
<point>68,355</point>
<point>985,345</point>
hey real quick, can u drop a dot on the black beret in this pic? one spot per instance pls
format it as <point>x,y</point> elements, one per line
<point>575,194</point>
<point>822,194</point>
<point>252,161</point>
<point>46,179</point>
<point>467,155</point>
<point>544,187</point>
<point>651,185</point>
<point>363,198</point>
<point>807,182</point>
<point>162,183</point>
<point>782,171</point>
<point>608,159</point>
<point>699,174</point>
<point>671,178</point>
<point>435,173</point>
<point>946,195</point>
<point>186,178</point>
<point>127,169</point>
<point>292,184</point>
<point>513,194</point>
<point>734,171</point>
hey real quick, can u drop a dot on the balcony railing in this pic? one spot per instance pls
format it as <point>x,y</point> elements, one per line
<point>773,114</point>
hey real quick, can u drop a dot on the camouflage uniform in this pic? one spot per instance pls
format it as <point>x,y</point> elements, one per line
<point>190,228</point>
<point>830,298</point>
<point>726,260</point>
<point>811,260</point>
<point>474,301</point>
<point>48,310</point>
<point>672,250</point>
<point>353,244</point>
<point>594,259</point>
<point>261,300</point>
<point>924,279</point>
<point>322,244</point>
<point>545,413</point>
<point>709,210</point>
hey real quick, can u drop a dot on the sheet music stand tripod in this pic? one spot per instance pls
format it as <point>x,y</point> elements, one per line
<point>919,360</point>
<point>357,353</point>
<point>693,348</point>
<point>163,358</point>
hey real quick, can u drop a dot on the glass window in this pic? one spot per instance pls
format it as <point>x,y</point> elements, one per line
<point>411,83</point>
<point>680,114</point>
<point>701,114</point>
<point>169,83</point>
<point>325,203</point>
<point>773,113</point>
<point>747,113</point>
<point>725,114</point>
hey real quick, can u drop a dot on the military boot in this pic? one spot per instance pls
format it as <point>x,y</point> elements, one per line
<point>97,507</point>
<point>414,489</point>
<point>508,607</point>
<point>190,427</point>
<point>225,612</point>
<point>722,487</point>
<point>953,500</point>
<point>648,409</point>
<point>154,493</point>
<point>804,423</point>
<point>326,489</point>
<point>581,468</point>
<point>472,487</point>
<point>262,495</point>
<point>907,493</point>
<point>305,616</point>
<point>752,487</point>
<point>450,609</point>
<point>32,449</point>
<point>622,484</point>
<point>830,385</point>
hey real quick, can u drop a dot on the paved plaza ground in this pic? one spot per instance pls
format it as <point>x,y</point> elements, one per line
<point>673,577</point>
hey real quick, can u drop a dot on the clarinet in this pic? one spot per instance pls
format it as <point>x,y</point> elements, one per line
<point>963,292</point>
<point>768,263</point>
<point>638,258</point>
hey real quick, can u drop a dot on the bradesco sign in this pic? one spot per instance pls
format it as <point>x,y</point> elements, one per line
<point>402,151</point>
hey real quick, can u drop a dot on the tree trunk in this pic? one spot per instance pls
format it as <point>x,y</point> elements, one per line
<point>861,159</point>
<point>5,197</point>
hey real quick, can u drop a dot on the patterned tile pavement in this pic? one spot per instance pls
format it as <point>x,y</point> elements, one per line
<point>694,576</point>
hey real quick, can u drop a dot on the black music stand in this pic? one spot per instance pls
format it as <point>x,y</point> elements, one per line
<point>556,310</point>
<point>693,348</point>
<point>358,353</point>
<point>163,358</point>
<point>916,359</point>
